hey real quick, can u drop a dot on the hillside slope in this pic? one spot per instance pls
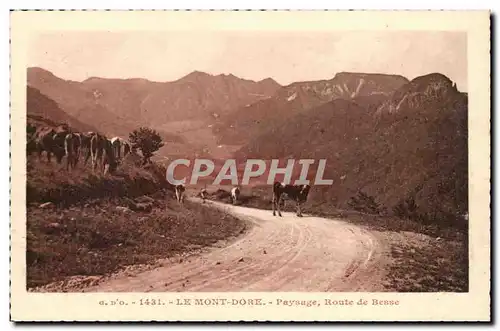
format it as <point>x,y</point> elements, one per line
<point>241,125</point>
<point>39,107</point>
<point>120,105</point>
<point>78,102</point>
<point>412,161</point>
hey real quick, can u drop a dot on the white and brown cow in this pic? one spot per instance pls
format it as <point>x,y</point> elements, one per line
<point>98,145</point>
<point>179,192</point>
<point>78,136</point>
<point>235,194</point>
<point>127,147</point>
<point>72,144</point>
<point>203,194</point>
<point>121,147</point>
<point>109,161</point>
<point>85,150</point>
<point>297,193</point>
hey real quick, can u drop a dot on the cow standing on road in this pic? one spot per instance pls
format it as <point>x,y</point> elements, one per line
<point>235,195</point>
<point>203,194</point>
<point>179,192</point>
<point>297,193</point>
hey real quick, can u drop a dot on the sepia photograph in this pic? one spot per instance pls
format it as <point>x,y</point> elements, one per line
<point>278,160</point>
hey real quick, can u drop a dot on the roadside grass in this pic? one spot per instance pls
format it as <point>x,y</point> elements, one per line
<point>422,257</point>
<point>95,226</point>
<point>53,183</point>
<point>423,264</point>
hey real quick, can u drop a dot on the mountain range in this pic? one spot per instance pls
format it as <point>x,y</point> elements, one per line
<point>175,109</point>
<point>411,147</point>
<point>123,103</point>
<point>394,139</point>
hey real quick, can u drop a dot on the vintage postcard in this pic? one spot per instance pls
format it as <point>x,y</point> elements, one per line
<point>250,166</point>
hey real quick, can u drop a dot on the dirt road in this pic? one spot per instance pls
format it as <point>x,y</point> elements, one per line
<point>276,254</point>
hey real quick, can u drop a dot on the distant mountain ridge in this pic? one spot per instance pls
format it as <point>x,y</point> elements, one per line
<point>430,88</point>
<point>116,107</point>
<point>416,152</point>
<point>241,125</point>
<point>197,95</point>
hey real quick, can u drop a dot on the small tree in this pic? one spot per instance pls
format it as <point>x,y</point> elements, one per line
<point>147,140</point>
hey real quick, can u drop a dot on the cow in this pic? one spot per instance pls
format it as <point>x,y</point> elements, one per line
<point>124,148</point>
<point>78,137</point>
<point>85,150</point>
<point>203,194</point>
<point>109,161</point>
<point>297,193</point>
<point>120,144</point>
<point>98,143</point>
<point>235,194</point>
<point>72,149</point>
<point>51,141</point>
<point>116,143</point>
<point>127,148</point>
<point>30,138</point>
<point>179,192</point>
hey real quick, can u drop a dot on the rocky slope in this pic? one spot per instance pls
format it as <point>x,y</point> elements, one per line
<point>253,119</point>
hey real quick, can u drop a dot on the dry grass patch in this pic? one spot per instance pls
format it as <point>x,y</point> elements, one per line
<point>99,238</point>
<point>425,264</point>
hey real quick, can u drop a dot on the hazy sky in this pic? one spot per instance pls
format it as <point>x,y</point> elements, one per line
<point>285,57</point>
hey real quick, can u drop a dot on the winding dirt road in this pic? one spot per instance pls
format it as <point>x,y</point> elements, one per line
<point>276,254</point>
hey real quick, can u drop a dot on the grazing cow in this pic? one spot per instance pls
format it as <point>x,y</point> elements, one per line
<point>116,143</point>
<point>51,141</point>
<point>78,136</point>
<point>98,144</point>
<point>203,194</point>
<point>71,149</point>
<point>297,193</point>
<point>126,147</point>
<point>85,149</point>
<point>120,144</point>
<point>179,192</point>
<point>235,194</point>
<point>109,161</point>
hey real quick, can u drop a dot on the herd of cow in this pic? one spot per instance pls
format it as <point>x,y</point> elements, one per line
<point>281,191</point>
<point>61,141</point>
